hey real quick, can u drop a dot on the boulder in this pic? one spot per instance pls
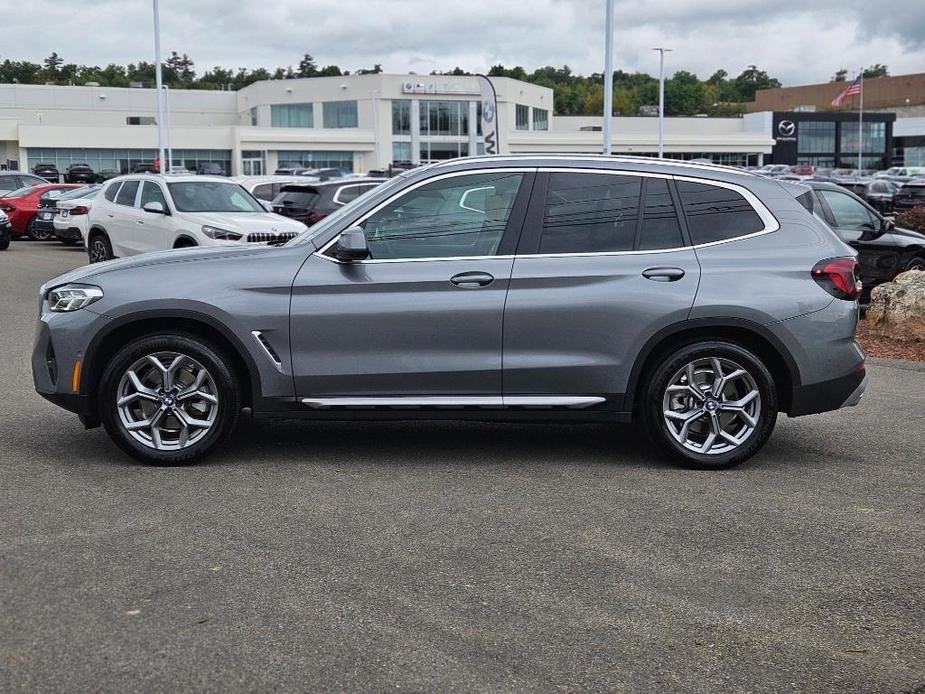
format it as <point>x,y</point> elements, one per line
<point>897,309</point>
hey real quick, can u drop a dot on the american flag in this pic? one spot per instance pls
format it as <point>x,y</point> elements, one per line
<point>853,89</point>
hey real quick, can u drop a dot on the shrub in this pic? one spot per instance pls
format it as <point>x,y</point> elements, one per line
<point>912,219</point>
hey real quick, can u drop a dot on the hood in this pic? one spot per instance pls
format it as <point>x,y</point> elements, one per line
<point>244,223</point>
<point>184,255</point>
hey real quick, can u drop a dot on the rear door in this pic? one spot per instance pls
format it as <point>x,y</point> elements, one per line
<point>121,221</point>
<point>603,264</point>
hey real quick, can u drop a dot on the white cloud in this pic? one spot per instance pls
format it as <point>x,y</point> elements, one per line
<point>796,43</point>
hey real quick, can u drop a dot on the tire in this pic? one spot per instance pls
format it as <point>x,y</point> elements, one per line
<point>36,235</point>
<point>751,422</point>
<point>917,263</point>
<point>171,425</point>
<point>4,240</point>
<point>99,249</point>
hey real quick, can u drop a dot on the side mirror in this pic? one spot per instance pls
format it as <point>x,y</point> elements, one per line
<point>888,225</point>
<point>352,245</point>
<point>154,207</point>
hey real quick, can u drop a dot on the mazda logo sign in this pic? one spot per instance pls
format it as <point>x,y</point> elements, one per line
<point>786,128</point>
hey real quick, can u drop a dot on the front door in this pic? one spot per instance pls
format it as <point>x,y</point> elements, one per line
<point>602,266</point>
<point>861,228</point>
<point>421,318</point>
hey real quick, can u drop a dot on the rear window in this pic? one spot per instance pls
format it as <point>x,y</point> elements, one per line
<point>126,196</point>
<point>716,214</point>
<point>305,199</point>
<point>111,191</point>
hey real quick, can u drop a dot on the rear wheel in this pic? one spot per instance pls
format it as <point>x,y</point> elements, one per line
<point>711,405</point>
<point>99,249</point>
<point>4,239</point>
<point>917,263</point>
<point>168,399</point>
<point>37,234</point>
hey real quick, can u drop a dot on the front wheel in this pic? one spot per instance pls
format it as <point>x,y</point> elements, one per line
<point>711,405</point>
<point>168,399</point>
<point>37,234</point>
<point>4,240</point>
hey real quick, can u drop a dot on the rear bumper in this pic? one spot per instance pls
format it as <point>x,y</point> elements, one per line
<point>68,234</point>
<point>844,391</point>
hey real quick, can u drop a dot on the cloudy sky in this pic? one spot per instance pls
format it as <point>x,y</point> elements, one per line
<point>798,42</point>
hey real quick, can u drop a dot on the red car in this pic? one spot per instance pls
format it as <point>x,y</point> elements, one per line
<point>22,205</point>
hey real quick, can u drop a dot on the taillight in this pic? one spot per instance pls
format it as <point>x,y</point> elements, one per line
<point>79,209</point>
<point>840,277</point>
<point>314,217</point>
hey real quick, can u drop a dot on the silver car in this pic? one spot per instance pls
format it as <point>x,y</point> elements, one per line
<point>697,300</point>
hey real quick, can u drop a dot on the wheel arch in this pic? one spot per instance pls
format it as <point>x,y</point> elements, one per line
<point>121,331</point>
<point>184,241</point>
<point>748,334</point>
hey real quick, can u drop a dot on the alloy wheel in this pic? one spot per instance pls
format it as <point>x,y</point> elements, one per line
<point>39,234</point>
<point>98,251</point>
<point>712,405</point>
<point>167,401</point>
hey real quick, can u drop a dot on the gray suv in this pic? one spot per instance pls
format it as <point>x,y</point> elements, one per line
<point>698,300</point>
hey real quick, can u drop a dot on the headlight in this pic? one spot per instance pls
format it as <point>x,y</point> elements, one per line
<point>72,297</point>
<point>220,234</point>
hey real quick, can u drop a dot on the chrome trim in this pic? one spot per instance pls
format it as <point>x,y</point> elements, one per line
<point>258,335</point>
<point>573,401</point>
<point>336,199</point>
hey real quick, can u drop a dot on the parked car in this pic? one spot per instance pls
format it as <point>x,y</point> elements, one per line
<point>106,174</point>
<point>6,233</point>
<point>312,173</point>
<point>803,169</point>
<point>43,226</point>
<point>14,180</point>
<point>310,203</point>
<point>72,213</point>
<point>80,173</point>
<point>774,170</point>
<point>22,207</point>
<point>703,319</point>
<point>884,250</point>
<point>47,171</point>
<point>265,188</point>
<point>144,167</point>
<point>879,194</point>
<point>910,194</point>
<point>139,214</point>
<point>211,168</point>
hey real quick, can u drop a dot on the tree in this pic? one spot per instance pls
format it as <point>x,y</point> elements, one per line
<point>841,75</point>
<point>52,63</point>
<point>181,69</point>
<point>684,95</point>
<point>307,66</point>
<point>876,70</point>
<point>751,80</point>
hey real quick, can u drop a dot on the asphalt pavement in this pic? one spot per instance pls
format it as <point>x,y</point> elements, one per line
<point>456,556</point>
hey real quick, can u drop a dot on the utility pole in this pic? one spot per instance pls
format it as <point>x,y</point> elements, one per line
<point>608,77</point>
<point>159,83</point>
<point>861,122</point>
<point>661,100</point>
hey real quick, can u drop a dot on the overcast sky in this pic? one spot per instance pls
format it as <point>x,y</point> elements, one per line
<point>798,42</point>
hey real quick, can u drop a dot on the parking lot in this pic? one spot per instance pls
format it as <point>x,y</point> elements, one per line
<point>456,556</point>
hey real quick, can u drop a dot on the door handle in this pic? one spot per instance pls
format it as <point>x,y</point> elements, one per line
<point>138,221</point>
<point>472,280</point>
<point>663,274</point>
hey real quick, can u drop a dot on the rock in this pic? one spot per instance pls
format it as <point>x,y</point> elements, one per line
<point>897,309</point>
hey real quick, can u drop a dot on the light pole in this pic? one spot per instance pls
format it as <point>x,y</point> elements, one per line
<point>661,100</point>
<point>167,127</point>
<point>608,76</point>
<point>159,80</point>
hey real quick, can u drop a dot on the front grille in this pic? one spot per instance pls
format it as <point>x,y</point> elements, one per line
<point>268,236</point>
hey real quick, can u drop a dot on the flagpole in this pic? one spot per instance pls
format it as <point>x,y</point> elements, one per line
<point>861,122</point>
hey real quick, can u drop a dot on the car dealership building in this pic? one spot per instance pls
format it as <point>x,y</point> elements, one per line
<point>358,122</point>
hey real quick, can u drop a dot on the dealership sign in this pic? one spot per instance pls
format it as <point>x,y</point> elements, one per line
<point>489,114</point>
<point>786,131</point>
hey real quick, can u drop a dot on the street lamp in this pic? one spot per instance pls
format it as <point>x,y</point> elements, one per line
<point>608,76</point>
<point>159,80</point>
<point>661,100</point>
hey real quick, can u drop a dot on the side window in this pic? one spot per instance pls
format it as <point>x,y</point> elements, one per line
<point>264,191</point>
<point>660,228</point>
<point>9,183</point>
<point>716,214</point>
<point>151,192</point>
<point>347,194</point>
<point>111,191</point>
<point>127,193</point>
<point>431,221</point>
<point>848,212</point>
<point>590,213</point>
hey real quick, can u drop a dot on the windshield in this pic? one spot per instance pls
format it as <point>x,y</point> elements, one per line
<point>333,220</point>
<point>212,196</point>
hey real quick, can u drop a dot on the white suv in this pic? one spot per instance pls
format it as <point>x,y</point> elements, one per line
<point>151,212</point>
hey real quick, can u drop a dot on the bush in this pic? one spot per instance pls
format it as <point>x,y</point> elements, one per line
<point>912,219</point>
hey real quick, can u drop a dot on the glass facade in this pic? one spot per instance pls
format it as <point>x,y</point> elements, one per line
<point>816,137</point>
<point>123,160</point>
<point>291,116</point>
<point>874,137</point>
<point>914,156</point>
<point>442,118</point>
<point>540,119</point>
<point>339,114</point>
<point>315,159</point>
<point>401,151</point>
<point>436,151</point>
<point>522,117</point>
<point>401,117</point>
